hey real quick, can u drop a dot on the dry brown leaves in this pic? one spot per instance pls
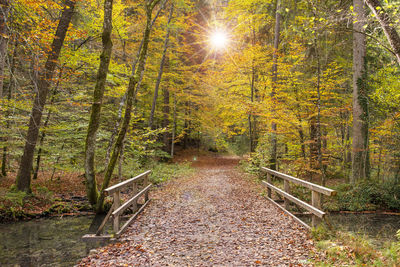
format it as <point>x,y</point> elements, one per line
<point>215,218</point>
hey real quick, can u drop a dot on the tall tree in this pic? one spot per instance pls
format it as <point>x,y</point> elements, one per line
<point>4,9</point>
<point>360,156</point>
<point>94,122</point>
<point>160,71</point>
<point>274,141</point>
<point>46,75</point>
<point>130,97</point>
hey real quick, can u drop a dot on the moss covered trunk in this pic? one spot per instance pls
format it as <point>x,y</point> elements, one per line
<point>24,173</point>
<point>94,122</point>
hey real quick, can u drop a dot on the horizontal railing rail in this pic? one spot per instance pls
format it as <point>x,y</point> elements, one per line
<point>117,209</point>
<point>316,191</point>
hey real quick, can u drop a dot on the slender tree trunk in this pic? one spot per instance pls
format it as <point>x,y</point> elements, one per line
<point>165,124</point>
<point>360,158</point>
<point>134,65</point>
<point>24,173</point>
<point>387,25</point>
<point>160,71</point>
<point>274,141</point>
<point>94,122</point>
<point>313,146</point>
<point>319,130</point>
<point>133,81</point>
<point>121,161</point>
<point>251,126</point>
<point>173,129</point>
<point>56,162</point>
<point>39,153</point>
<point>115,130</point>
<point>11,87</point>
<point>4,9</point>
<point>303,147</point>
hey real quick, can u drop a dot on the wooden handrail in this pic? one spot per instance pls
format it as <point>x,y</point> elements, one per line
<point>123,207</point>
<point>316,191</point>
<point>117,209</point>
<point>123,184</point>
<point>314,187</point>
<point>299,202</point>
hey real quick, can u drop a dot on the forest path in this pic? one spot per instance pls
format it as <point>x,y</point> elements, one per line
<point>216,217</point>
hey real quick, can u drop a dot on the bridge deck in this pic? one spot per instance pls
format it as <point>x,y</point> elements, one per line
<point>216,217</point>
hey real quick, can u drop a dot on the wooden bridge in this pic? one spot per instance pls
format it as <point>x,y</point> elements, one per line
<point>206,213</point>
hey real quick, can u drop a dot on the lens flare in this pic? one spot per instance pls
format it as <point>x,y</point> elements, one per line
<point>219,39</point>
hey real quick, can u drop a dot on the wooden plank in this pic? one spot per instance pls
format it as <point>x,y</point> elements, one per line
<point>131,219</point>
<point>287,190</point>
<point>145,183</point>
<point>134,192</point>
<point>269,181</point>
<point>116,187</point>
<point>105,220</point>
<point>96,238</point>
<point>117,203</point>
<point>316,202</point>
<point>290,214</point>
<point>299,202</point>
<point>124,206</point>
<point>314,187</point>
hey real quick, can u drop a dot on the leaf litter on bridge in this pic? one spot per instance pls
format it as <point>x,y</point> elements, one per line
<point>216,217</point>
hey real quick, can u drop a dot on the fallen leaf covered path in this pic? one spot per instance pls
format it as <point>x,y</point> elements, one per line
<point>216,217</point>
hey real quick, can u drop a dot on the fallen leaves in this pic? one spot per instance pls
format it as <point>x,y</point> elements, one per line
<point>213,218</point>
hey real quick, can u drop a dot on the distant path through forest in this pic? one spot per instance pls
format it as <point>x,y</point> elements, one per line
<point>217,217</point>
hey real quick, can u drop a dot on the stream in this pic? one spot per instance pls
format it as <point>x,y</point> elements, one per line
<point>45,242</point>
<point>57,241</point>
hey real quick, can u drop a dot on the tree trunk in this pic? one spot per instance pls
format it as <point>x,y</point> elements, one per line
<point>24,173</point>
<point>387,25</point>
<point>39,153</point>
<point>173,129</point>
<point>360,158</point>
<point>274,141</point>
<point>11,87</point>
<point>165,124</point>
<point>319,130</point>
<point>160,71</point>
<point>133,81</point>
<point>4,9</point>
<point>94,122</point>
<point>122,102</point>
<point>252,149</point>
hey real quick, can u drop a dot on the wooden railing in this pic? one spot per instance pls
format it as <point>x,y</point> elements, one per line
<point>316,191</point>
<point>117,209</point>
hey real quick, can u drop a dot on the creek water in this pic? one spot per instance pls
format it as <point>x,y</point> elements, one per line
<point>57,241</point>
<point>45,242</point>
<point>380,228</point>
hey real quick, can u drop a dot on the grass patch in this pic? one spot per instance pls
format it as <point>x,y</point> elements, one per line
<point>162,172</point>
<point>347,249</point>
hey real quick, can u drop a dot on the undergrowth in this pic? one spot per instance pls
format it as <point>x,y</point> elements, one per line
<point>163,171</point>
<point>346,249</point>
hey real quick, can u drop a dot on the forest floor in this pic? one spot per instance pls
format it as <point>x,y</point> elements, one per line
<point>216,217</point>
<point>64,194</point>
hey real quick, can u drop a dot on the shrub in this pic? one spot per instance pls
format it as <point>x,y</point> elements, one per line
<point>368,195</point>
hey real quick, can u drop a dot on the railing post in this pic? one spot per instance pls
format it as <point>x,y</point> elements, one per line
<point>315,202</point>
<point>287,190</point>
<point>116,205</point>
<point>269,181</point>
<point>146,183</point>
<point>134,192</point>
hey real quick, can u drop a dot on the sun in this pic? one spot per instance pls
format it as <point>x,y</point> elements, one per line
<point>219,39</point>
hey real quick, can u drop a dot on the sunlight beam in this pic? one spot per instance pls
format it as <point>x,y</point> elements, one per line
<point>219,39</point>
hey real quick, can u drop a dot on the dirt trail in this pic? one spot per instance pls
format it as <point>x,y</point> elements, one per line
<point>215,218</point>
